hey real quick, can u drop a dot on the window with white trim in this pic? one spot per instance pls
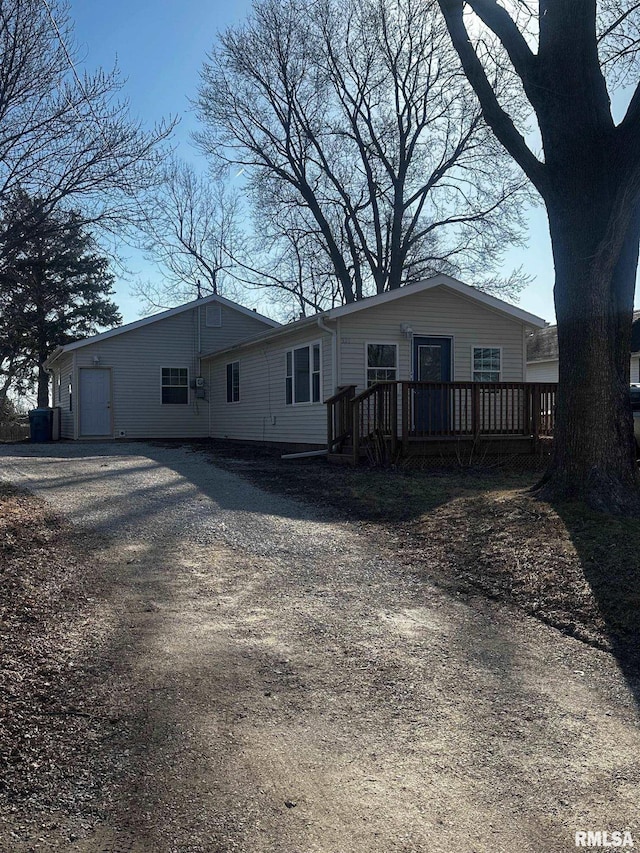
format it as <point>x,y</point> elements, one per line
<point>302,382</point>
<point>382,363</point>
<point>486,364</point>
<point>213,315</point>
<point>233,382</point>
<point>175,385</point>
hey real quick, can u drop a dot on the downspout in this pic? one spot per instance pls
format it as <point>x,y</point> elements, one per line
<point>75,391</point>
<point>334,352</point>
<point>197,360</point>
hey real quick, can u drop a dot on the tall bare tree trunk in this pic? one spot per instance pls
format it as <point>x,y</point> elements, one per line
<point>589,179</point>
<point>594,449</point>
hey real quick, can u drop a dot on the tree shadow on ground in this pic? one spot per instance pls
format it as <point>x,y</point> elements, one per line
<point>187,695</point>
<point>608,549</point>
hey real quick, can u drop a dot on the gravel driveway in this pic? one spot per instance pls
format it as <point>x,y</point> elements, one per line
<point>290,685</point>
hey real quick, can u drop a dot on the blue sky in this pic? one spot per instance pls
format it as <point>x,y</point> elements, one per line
<point>160,48</point>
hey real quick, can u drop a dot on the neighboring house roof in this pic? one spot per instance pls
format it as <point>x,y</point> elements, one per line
<point>542,345</point>
<point>466,290</point>
<point>154,318</point>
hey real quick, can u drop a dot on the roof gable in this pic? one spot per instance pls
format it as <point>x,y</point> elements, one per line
<point>441,280</point>
<point>163,315</point>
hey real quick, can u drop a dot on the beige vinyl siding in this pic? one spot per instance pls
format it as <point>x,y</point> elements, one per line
<point>64,372</point>
<point>137,357</point>
<point>547,371</point>
<point>542,371</point>
<point>262,414</point>
<point>438,312</point>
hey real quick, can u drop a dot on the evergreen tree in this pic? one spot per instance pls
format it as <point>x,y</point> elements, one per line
<point>54,288</point>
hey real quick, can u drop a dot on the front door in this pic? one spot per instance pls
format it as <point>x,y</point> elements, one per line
<point>431,363</point>
<point>95,402</point>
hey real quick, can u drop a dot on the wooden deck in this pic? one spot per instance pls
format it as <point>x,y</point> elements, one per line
<point>405,418</point>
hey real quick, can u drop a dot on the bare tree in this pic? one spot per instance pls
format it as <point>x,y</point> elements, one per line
<point>359,114</point>
<point>563,53</point>
<point>288,243</point>
<point>193,231</point>
<point>66,139</point>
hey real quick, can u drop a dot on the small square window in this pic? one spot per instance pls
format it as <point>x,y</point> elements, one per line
<point>175,386</point>
<point>487,364</point>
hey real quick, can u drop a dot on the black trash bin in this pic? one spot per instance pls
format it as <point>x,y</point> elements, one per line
<point>40,424</point>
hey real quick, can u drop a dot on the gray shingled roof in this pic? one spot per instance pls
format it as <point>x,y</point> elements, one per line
<point>542,345</point>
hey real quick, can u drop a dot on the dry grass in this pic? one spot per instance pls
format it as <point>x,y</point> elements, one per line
<point>46,735</point>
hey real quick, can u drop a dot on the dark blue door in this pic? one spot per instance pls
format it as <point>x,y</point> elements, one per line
<point>431,363</point>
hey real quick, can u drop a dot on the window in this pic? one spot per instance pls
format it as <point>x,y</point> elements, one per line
<point>59,384</point>
<point>233,382</point>
<point>382,362</point>
<point>70,394</point>
<point>486,364</point>
<point>213,315</point>
<point>302,383</point>
<point>175,385</point>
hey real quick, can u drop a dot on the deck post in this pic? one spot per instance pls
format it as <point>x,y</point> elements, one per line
<point>393,417</point>
<point>536,406</point>
<point>355,426</point>
<point>330,426</point>
<point>475,410</point>
<point>527,426</point>
<point>405,418</point>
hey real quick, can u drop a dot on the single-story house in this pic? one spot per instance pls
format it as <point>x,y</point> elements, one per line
<point>144,379</point>
<point>542,353</point>
<point>214,368</point>
<point>272,388</point>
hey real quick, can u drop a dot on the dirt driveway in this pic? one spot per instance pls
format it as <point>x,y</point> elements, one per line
<point>286,684</point>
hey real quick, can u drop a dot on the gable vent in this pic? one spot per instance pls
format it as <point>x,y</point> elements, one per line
<point>214,315</point>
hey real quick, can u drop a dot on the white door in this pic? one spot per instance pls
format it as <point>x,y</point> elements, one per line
<point>95,401</point>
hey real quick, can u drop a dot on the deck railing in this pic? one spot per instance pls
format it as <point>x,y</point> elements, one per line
<point>427,411</point>
<point>339,417</point>
<point>375,414</point>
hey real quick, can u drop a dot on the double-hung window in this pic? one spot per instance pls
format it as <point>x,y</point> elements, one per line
<point>233,382</point>
<point>175,385</point>
<point>382,363</point>
<point>486,364</point>
<point>302,382</point>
